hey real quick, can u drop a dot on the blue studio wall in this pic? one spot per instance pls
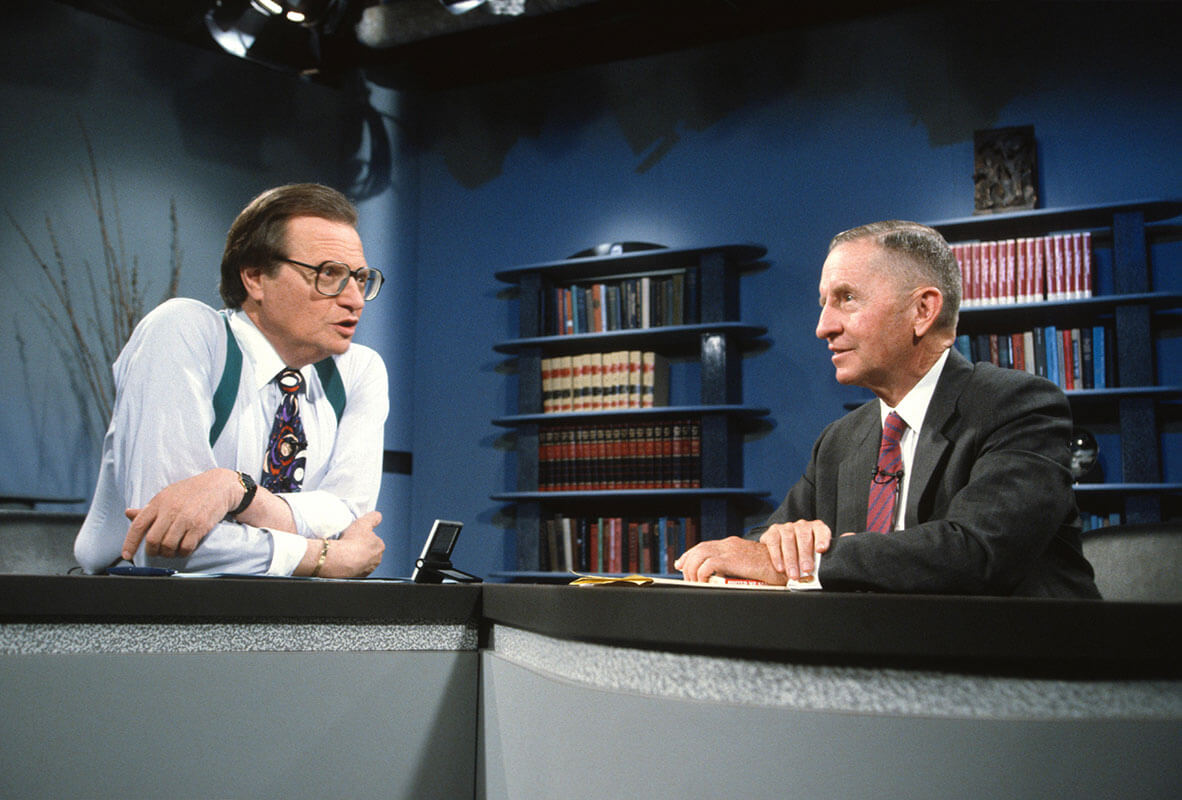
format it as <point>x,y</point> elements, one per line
<point>783,140</point>
<point>166,122</point>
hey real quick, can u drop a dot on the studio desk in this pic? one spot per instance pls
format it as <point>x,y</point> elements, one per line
<point>187,687</point>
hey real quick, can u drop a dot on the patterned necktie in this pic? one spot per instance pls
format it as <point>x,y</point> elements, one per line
<point>283,463</point>
<point>888,477</point>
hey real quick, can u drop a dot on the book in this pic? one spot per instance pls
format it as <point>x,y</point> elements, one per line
<point>1087,366</point>
<point>1099,357</point>
<point>654,380</point>
<point>663,298</point>
<point>590,382</point>
<point>810,583</point>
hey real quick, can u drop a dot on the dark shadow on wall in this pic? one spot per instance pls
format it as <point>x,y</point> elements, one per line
<point>238,113</point>
<point>652,100</point>
<point>46,34</point>
<point>958,66</point>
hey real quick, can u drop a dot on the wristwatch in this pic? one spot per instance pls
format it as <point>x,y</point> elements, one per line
<point>249,487</point>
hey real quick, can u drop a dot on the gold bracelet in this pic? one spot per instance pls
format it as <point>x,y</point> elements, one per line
<point>323,555</point>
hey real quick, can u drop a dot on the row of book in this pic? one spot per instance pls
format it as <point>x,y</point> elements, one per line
<point>655,454</point>
<point>604,381</point>
<point>615,544</point>
<point>622,303</point>
<point>1073,358</point>
<point>1092,521</point>
<point>1027,270</point>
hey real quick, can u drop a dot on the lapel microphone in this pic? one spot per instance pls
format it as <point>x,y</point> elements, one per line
<point>883,476</point>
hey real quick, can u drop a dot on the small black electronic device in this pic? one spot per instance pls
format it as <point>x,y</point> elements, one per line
<point>434,564</point>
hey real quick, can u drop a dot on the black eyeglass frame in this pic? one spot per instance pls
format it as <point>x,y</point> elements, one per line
<point>354,274</point>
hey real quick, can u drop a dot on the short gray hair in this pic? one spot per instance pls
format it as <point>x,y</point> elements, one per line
<point>926,249</point>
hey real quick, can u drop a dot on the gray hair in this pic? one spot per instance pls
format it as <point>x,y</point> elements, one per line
<point>926,250</point>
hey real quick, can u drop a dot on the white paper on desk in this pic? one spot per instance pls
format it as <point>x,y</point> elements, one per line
<point>808,584</point>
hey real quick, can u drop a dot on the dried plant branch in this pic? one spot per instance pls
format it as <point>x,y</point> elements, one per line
<point>93,340</point>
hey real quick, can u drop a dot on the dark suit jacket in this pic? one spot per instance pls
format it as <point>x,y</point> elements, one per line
<point>990,508</point>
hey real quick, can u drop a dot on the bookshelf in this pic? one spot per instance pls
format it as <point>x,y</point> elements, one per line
<point>709,332</point>
<point>1133,400</point>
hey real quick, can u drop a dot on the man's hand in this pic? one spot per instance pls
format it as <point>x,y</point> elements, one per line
<point>175,521</point>
<point>733,557</point>
<point>355,554</point>
<point>791,545</point>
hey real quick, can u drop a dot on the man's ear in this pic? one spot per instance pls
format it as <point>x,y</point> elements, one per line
<point>929,302</point>
<point>252,281</point>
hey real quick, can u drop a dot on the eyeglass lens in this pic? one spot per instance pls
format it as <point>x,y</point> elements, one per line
<point>333,277</point>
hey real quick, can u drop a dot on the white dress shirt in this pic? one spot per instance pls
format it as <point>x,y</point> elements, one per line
<point>159,434</point>
<point>912,408</point>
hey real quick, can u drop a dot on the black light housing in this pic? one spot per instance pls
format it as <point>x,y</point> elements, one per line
<point>286,34</point>
<point>461,6</point>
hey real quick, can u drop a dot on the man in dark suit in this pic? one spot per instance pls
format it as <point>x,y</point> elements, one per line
<point>969,490</point>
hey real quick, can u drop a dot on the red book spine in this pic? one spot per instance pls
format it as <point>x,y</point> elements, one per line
<point>633,546</point>
<point>1086,254</point>
<point>1009,270</point>
<point>1018,349</point>
<point>1060,267</point>
<point>1022,267</point>
<point>1038,251</point>
<point>594,563</point>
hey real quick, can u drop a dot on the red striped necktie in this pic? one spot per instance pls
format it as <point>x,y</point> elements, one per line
<point>888,477</point>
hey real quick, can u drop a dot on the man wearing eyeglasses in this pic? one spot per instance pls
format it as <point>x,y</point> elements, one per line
<point>212,408</point>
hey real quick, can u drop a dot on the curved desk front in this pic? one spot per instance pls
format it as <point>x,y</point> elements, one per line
<point>180,687</point>
<point>236,688</point>
<point>679,693</point>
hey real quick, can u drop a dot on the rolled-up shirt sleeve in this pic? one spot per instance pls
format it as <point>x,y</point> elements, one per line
<point>160,432</point>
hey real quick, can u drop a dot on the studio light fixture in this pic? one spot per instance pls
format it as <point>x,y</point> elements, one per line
<point>461,6</point>
<point>280,33</point>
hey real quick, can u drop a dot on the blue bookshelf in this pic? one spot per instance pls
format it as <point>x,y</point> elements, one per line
<point>1132,403</point>
<point>716,339</point>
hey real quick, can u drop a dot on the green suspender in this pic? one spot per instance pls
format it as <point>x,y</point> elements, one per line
<point>227,391</point>
<point>334,387</point>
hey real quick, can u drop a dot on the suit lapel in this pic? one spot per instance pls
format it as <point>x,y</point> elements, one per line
<point>856,470</point>
<point>932,444</point>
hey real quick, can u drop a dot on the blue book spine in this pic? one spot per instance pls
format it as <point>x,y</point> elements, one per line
<point>662,546</point>
<point>576,308</point>
<point>1052,339</point>
<point>1099,364</point>
<point>965,345</point>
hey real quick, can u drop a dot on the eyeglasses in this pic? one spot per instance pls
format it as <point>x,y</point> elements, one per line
<point>332,277</point>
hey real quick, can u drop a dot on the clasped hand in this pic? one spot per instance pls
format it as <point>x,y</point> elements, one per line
<point>179,516</point>
<point>784,552</point>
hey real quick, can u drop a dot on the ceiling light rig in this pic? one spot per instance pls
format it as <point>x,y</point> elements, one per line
<point>461,6</point>
<point>286,34</point>
<point>504,7</point>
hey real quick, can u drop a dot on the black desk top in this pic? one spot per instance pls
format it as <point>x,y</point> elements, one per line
<point>1064,638</point>
<point>1061,637</point>
<point>52,598</point>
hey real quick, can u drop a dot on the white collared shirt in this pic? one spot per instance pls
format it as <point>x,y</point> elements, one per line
<point>912,408</point>
<point>159,434</point>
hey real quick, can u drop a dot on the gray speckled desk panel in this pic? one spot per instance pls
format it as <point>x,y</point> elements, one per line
<point>541,691</point>
<point>97,614</point>
<point>236,687</point>
<point>720,693</point>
